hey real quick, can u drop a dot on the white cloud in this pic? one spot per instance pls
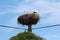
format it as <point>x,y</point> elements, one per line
<point>55,16</point>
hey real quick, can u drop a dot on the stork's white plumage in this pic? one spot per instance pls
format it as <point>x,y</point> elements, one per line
<point>36,11</point>
<point>35,14</point>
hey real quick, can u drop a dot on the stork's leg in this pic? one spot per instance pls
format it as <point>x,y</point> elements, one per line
<point>29,28</point>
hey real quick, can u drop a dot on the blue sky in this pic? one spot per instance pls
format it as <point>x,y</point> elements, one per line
<point>49,10</point>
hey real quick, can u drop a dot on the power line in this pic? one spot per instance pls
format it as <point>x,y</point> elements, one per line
<point>11,27</point>
<point>32,28</point>
<point>47,26</point>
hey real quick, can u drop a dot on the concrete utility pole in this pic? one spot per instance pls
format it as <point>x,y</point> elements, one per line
<point>29,28</point>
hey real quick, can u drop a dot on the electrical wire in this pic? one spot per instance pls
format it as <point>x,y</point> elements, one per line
<point>47,26</point>
<point>32,28</point>
<point>10,27</point>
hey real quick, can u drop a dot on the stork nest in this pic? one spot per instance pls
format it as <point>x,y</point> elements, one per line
<point>28,19</point>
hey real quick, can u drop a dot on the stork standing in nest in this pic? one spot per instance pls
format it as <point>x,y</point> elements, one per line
<point>29,19</point>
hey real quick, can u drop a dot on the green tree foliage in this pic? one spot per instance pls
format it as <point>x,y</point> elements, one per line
<point>26,36</point>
